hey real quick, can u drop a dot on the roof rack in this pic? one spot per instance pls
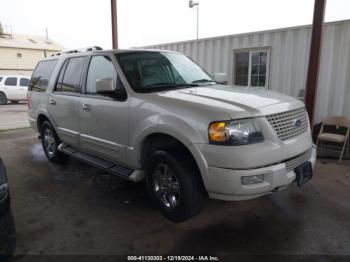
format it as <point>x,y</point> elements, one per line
<point>86,49</point>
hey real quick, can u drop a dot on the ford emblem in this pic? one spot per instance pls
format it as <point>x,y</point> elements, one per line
<point>297,122</point>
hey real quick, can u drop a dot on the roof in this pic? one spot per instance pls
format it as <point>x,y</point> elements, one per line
<point>22,76</point>
<point>79,52</point>
<point>29,42</point>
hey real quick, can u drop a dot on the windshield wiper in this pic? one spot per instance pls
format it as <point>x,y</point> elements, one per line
<point>169,85</point>
<point>158,87</point>
<point>204,80</point>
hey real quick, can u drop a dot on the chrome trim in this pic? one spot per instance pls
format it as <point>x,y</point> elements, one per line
<point>289,124</point>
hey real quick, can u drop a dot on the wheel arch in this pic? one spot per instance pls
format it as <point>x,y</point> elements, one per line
<point>166,141</point>
<point>42,116</point>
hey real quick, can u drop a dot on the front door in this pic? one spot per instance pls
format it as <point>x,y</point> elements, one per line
<point>63,104</point>
<point>23,88</point>
<point>103,118</point>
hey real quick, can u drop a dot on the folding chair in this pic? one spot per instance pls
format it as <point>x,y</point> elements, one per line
<point>337,121</point>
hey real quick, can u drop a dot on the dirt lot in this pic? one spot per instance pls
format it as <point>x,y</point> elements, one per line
<point>13,116</point>
<point>76,209</point>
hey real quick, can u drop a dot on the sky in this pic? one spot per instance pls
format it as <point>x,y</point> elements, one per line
<point>81,23</point>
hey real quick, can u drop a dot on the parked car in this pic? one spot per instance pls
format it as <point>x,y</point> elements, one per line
<point>7,225</point>
<point>158,116</point>
<point>13,88</point>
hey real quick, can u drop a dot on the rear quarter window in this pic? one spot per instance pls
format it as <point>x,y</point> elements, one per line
<point>41,75</point>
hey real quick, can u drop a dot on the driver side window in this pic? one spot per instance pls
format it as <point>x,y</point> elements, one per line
<point>100,68</point>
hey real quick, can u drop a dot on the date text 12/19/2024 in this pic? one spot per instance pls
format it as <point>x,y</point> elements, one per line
<point>173,258</point>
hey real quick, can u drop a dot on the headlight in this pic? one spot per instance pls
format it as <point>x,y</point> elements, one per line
<point>3,178</point>
<point>235,132</point>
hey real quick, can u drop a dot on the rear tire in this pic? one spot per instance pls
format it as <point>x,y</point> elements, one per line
<point>3,98</point>
<point>50,143</point>
<point>174,185</point>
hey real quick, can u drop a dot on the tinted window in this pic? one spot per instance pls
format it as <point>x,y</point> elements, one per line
<point>100,68</point>
<point>11,81</point>
<point>24,82</point>
<point>1,78</point>
<point>58,87</point>
<point>41,76</point>
<point>69,79</point>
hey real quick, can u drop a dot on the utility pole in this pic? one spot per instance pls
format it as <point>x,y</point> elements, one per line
<point>192,4</point>
<point>314,60</point>
<point>114,24</point>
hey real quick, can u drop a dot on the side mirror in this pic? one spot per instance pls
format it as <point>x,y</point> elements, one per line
<point>105,85</point>
<point>220,78</point>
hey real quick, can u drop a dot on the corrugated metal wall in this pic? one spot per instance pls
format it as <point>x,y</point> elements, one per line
<point>289,55</point>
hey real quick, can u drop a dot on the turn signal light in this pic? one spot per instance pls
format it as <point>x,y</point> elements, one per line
<point>217,132</point>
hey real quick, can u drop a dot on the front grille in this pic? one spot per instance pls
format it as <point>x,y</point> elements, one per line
<point>293,163</point>
<point>286,123</point>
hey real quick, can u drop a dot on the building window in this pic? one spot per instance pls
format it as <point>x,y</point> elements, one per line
<point>251,68</point>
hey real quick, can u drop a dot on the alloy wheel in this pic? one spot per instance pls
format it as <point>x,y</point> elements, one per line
<point>166,186</point>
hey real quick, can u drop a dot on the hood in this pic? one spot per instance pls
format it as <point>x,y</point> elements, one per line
<point>236,102</point>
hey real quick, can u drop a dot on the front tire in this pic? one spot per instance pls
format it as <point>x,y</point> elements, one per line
<point>50,143</point>
<point>7,234</point>
<point>174,185</point>
<point>3,98</point>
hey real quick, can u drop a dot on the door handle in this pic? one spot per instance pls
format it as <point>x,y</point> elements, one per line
<point>85,107</point>
<point>52,101</point>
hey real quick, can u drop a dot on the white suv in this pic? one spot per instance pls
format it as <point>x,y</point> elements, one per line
<point>13,88</point>
<point>158,116</point>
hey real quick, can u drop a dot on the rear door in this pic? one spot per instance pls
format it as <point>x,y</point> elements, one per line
<point>63,104</point>
<point>103,118</point>
<point>11,88</point>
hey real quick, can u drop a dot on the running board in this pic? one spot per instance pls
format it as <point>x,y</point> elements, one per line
<point>124,172</point>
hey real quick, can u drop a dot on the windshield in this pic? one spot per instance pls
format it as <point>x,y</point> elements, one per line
<point>157,71</point>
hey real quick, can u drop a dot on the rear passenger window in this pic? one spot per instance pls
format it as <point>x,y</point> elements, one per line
<point>24,82</point>
<point>41,76</point>
<point>70,75</point>
<point>11,81</point>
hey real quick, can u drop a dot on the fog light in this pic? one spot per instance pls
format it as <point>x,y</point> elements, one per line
<point>250,180</point>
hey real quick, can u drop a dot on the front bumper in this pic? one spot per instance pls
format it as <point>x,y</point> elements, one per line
<point>225,184</point>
